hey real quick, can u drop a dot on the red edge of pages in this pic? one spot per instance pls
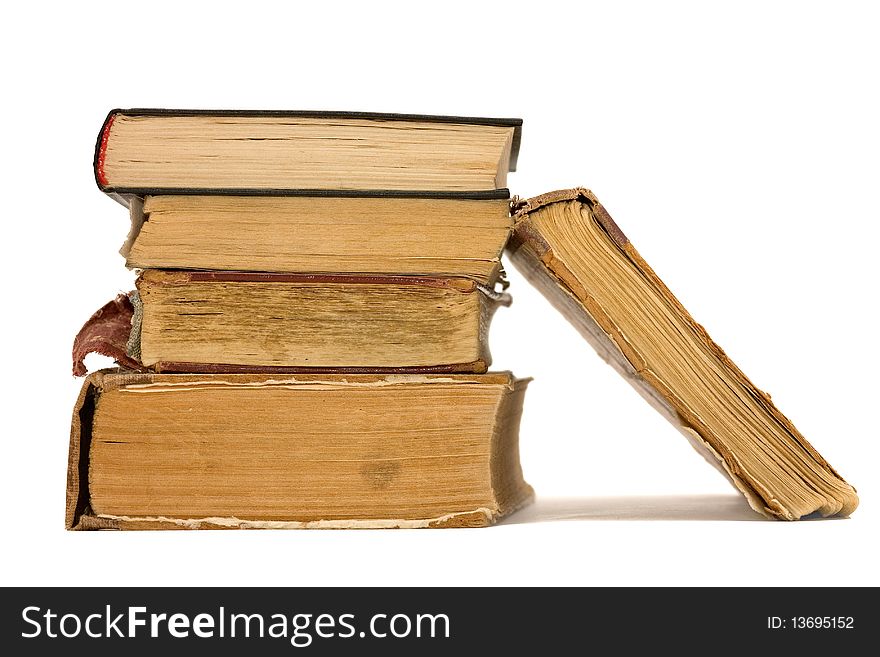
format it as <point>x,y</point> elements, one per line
<point>102,151</point>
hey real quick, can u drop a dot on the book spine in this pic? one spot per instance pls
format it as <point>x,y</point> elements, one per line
<point>78,514</point>
<point>106,332</point>
<point>101,150</point>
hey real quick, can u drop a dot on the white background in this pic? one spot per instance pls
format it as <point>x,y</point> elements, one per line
<point>738,148</point>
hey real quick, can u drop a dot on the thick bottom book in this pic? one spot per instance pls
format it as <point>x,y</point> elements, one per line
<point>248,451</point>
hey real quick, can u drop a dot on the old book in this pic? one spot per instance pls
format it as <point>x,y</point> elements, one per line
<point>144,150</point>
<point>192,321</point>
<point>567,245</point>
<point>321,234</point>
<point>181,451</point>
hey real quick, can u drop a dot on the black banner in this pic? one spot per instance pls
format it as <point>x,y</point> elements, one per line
<point>433,621</point>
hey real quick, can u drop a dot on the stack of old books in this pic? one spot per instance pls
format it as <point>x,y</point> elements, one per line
<point>307,344</point>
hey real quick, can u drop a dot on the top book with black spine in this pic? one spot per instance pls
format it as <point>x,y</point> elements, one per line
<point>309,153</point>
